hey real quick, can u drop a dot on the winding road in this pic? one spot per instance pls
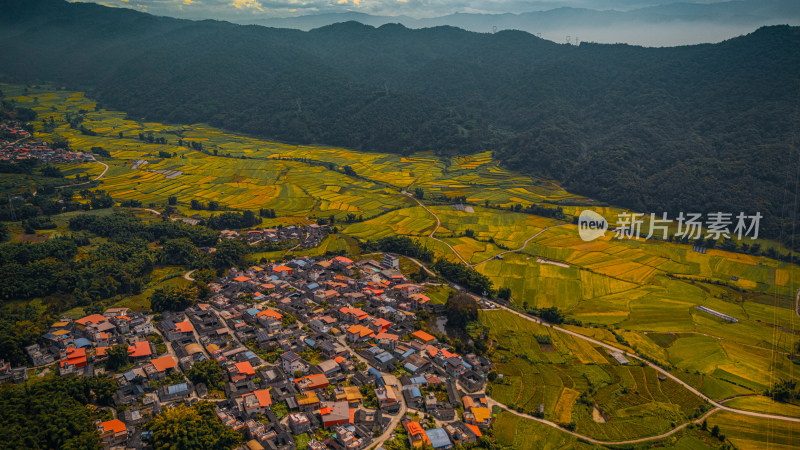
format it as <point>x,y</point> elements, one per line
<point>718,406</point>
<point>87,182</point>
<point>438,224</point>
<point>524,244</point>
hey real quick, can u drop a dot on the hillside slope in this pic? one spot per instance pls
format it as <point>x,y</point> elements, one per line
<point>696,128</point>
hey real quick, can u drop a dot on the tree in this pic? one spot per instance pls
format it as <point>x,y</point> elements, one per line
<point>172,200</point>
<point>230,253</point>
<point>179,252</point>
<point>460,309</point>
<point>715,431</point>
<point>117,357</point>
<point>349,171</point>
<point>419,193</point>
<point>504,293</point>
<point>196,427</point>
<point>209,372</point>
<point>172,299</point>
<point>195,204</point>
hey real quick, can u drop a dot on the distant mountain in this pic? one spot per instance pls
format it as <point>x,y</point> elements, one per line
<point>651,25</point>
<point>696,129</point>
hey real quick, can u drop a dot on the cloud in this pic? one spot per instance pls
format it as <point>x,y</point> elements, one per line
<point>189,2</point>
<point>247,4</point>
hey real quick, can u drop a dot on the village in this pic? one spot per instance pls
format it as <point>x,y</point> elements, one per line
<point>15,146</point>
<point>324,352</point>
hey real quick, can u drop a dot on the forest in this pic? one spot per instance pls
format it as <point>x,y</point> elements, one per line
<point>696,128</point>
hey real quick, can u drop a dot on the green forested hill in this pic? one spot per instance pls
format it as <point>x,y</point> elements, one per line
<point>696,128</point>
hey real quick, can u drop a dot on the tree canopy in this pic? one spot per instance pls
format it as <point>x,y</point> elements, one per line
<point>196,427</point>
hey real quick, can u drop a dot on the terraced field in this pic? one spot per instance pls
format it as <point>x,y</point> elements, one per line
<point>640,295</point>
<point>634,400</point>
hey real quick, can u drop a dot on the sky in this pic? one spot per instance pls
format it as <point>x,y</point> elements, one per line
<point>232,9</point>
<point>652,23</point>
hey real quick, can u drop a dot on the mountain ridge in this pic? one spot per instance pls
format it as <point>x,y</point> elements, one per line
<point>653,129</point>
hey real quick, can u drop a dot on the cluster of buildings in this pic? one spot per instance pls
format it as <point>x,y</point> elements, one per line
<point>309,236</point>
<point>12,150</point>
<point>324,347</point>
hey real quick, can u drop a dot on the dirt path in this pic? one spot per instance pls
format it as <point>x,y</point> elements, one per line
<point>188,276</point>
<point>524,244</point>
<point>87,182</point>
<point>797,303</point>
<point>438,224</point>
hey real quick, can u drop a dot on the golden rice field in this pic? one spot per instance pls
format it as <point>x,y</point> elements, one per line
<point>646,291</point>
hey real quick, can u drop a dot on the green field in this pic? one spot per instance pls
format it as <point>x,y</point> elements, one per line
<point>633,400</point>
<point>515,432</point>
<point>747,432</point>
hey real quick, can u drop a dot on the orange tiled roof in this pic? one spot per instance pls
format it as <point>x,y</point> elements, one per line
<point>164,363</point>
<point>139,349</point>
<point>263,397</point>
<point>361,330</point>
<point>270,313</point>
<point>114,426</point>
<point>184,327</point>
<point>423,336</point>
<point>93,318</point>
<point>246,368</point>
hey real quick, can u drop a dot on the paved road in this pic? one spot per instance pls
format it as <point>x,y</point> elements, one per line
<point>87,182</point>
<point>390,380</point>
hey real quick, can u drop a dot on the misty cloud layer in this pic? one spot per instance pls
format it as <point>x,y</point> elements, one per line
<point>638,22</point>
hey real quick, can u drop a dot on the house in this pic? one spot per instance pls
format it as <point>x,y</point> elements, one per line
<point>350,394</point>
<point>272,320</point>
<point>336,413</point>
<point>312,382</point>
<point>299,423</point>
<point>282,271</point>
<point>141,349</point>
<point>346,438</point>
<point>160,367</point>
<point>462,433</point>
<point>438,438</point>
<point>308,401</point>
<point>73,358</point>
<point>380,325</point>
<point>291,362</point>
<point>479,416</point>
<point>359,333</point>
<point>329,367</point>
<point>241,371</point>
<point>387,399</point>
<point>423,337</point>
<point>180,391</point>
<point>91,319</point>
<point>113,432</point>
<point>416,435</point>
<point>256,402</point>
